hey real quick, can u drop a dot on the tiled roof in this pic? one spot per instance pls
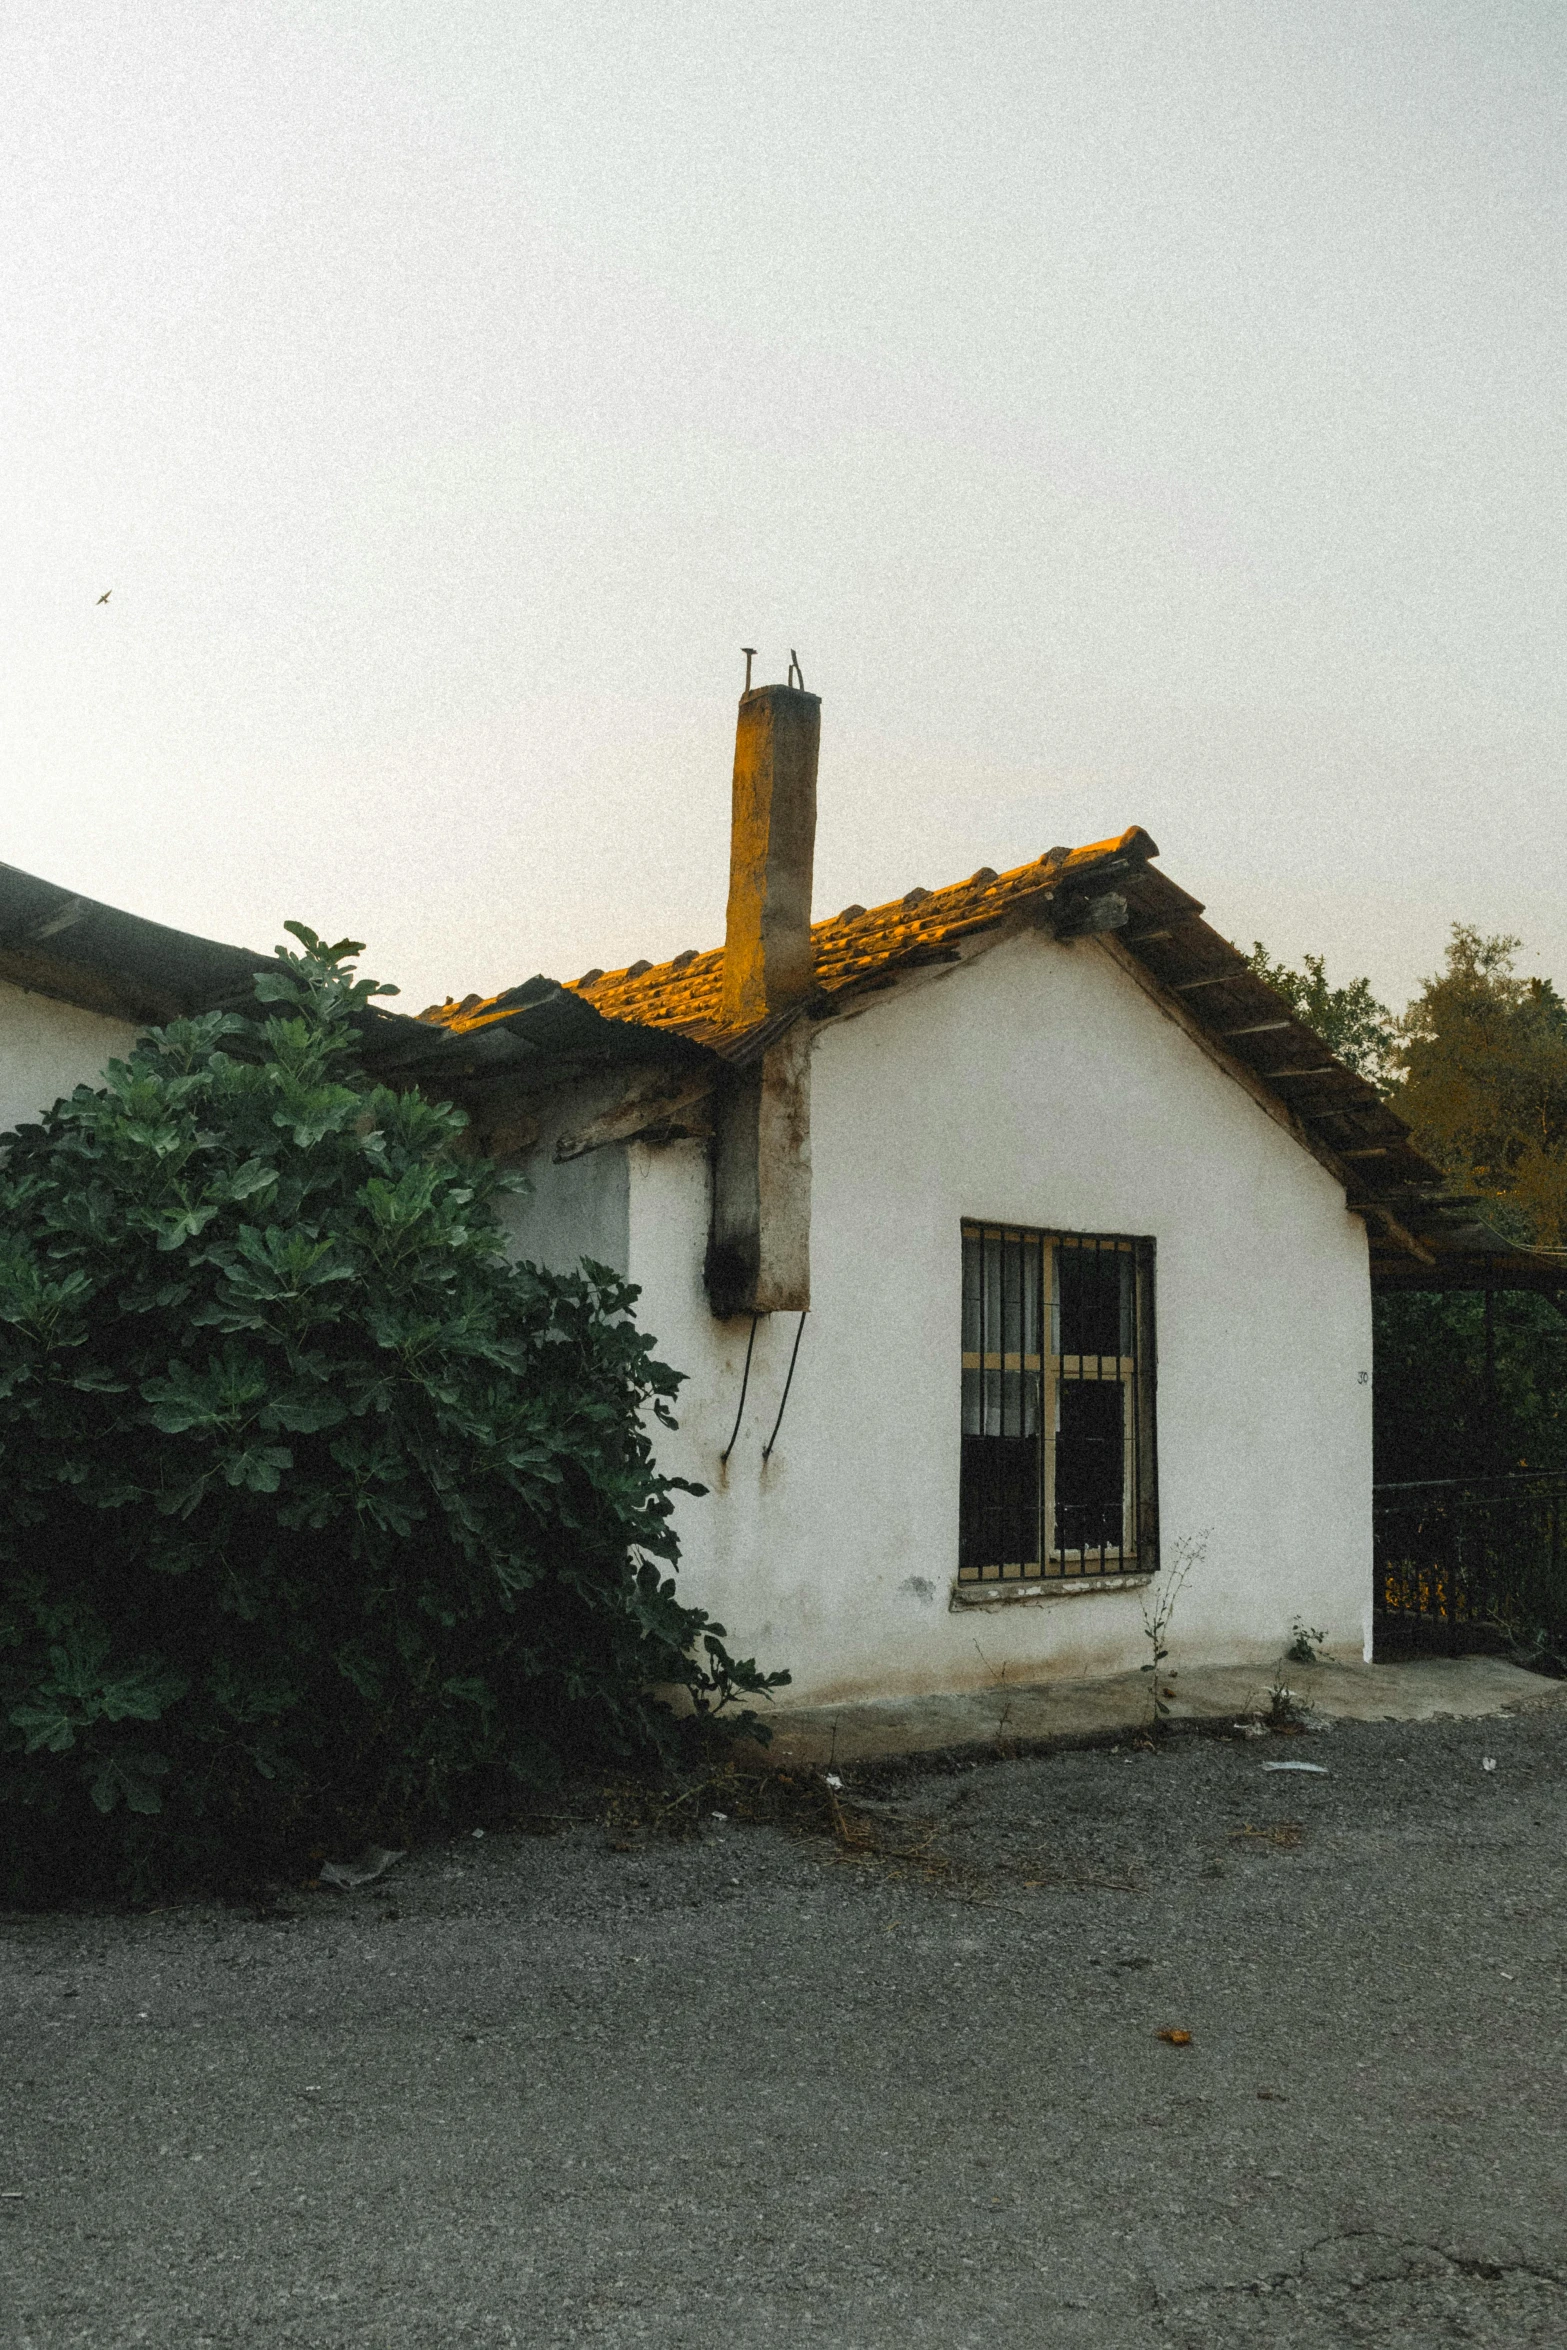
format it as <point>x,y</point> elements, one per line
<point>856,948</point>
<point>1200,981</point>
<point>668,1015</point>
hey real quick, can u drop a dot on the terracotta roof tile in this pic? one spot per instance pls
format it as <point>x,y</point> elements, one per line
<point>853,948</point>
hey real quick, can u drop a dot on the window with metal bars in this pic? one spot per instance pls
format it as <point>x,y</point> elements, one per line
<point>1058,1455</point>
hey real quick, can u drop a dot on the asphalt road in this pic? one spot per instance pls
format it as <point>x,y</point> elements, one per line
<point>753,2090</point>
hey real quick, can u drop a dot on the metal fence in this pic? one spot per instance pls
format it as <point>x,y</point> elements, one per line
<point>1461,1556</point>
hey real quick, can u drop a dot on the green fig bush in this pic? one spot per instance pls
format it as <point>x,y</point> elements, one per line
<point>317,1514</point>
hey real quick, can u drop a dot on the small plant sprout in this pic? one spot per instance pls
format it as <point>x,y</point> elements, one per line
<point>1306,1646</point>
<point>1185,1554</point>
<point>1283,1705</point>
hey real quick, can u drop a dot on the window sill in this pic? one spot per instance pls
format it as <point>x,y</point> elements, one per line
<point>1049,1587</point>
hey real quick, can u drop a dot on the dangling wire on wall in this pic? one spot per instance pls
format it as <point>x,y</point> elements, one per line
<point>745,1381</point>
<point>788,1383</point>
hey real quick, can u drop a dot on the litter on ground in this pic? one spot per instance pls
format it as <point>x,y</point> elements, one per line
<point>373,1862</point>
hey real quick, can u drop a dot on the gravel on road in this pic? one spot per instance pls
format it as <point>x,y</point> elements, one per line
<point>904,2088</point>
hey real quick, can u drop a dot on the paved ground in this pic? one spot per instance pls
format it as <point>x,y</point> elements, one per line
<point>1417,1690</point>
<point>755,2090</point>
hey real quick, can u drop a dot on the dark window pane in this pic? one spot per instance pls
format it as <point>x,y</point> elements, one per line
<point>1090,1464</point>
<point>971,1292</point>
<point>990,1330</point>
<point>1095,1292</point>
<point>998,1514</point>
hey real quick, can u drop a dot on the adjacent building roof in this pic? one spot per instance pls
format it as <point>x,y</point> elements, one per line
<point>56,943</point>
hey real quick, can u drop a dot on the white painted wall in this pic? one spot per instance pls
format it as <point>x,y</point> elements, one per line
<point>1037,1084</point>
<point>47,1049</point>
<point>569,1212</point>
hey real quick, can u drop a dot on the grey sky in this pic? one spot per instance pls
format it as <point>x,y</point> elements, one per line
<point>1133,413</point>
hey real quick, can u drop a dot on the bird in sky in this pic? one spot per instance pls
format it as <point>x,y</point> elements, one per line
<point>107,593</point>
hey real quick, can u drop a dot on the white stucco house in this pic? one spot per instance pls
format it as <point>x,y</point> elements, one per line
<point>1014,1238</point>
<point>1016,1241</point>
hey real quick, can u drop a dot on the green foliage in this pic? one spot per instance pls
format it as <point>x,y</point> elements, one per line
<point>1305,1643</point>
<point>1158,1606</point>
<point>1478,1066</point>
<point>1447,1405</point>
<point>1483,1059</point>
<point>1349,1019</point>
<point>315,1512</point>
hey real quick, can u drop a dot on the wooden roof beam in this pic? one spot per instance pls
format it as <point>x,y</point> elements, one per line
<point>1400,1233</point>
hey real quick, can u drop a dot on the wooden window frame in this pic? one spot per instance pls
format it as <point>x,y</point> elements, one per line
<point>1010,1258</point>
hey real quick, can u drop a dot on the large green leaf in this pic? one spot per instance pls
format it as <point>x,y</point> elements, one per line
<point>132,1775</point>
<point>51,1726</point>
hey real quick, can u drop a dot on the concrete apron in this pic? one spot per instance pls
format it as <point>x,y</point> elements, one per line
<point>1422,1689</point>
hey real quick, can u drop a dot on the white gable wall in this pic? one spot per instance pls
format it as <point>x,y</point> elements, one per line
<point>47,1049</point>
<point>1036,1085</point>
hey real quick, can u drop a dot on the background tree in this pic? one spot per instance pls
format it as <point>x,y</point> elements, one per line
<point>1477,1063</point>
<point>1462,1392</point>
<point>1482,1079</point>
<point>1467,1384</point>
<point>317,1515</point>
<point>1349,1019</point>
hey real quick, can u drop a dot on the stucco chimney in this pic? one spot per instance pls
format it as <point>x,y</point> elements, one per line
<point>772,841</point>
<point>759,1245</point>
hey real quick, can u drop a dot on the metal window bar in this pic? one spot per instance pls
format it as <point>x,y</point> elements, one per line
<point>1057,1391</point>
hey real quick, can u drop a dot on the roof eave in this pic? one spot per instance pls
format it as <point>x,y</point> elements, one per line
<point>76,950</point>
